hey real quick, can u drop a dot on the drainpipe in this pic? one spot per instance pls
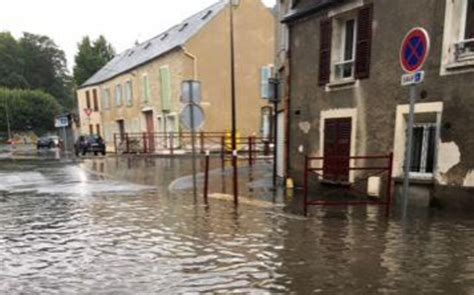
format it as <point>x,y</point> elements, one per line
<point>195,59</point>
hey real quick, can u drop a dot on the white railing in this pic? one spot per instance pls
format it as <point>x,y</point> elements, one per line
<point>464,50</point>
<point>344,69</point>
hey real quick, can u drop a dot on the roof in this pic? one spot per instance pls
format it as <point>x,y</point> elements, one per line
<point>151,49</point>
<point>308,8</point>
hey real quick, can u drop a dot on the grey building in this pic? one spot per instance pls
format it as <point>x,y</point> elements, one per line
<point>346,98</point>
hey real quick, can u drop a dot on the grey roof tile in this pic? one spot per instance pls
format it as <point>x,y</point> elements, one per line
<point>153,48</point>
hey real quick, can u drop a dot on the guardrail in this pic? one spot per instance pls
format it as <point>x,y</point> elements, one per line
<point>361,171</point>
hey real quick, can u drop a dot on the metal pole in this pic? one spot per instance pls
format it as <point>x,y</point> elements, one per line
<point>409,150</point>
<point>193,138</point>
<point>206,179</point>
<point>65,139</point>
<point>275,143</point>
<point>234,123</point>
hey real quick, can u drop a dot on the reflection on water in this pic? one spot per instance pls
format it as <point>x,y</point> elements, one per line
<point>118,237</point>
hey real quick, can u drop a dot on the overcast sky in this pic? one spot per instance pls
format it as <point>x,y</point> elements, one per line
<point>121,22</point>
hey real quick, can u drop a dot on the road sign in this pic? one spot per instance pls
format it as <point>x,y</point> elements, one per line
<point>191,92</point>
<point>415,50</point>
<point>189,111</point>
<point>88,112</point>
<point>413,79</point>
<point>61,122</point>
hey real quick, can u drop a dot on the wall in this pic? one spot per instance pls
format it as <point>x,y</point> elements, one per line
<point>376,99</point>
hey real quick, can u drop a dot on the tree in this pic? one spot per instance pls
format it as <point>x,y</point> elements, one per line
<point>91,57</point>
<point>29,110</point>
<point>35,62</point>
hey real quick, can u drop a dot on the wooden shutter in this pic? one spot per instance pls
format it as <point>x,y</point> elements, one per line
<point>470,20</point>
<point>325,51</point>
<point>88,100</point>
<point>165,80</point>
<point>364,42</point>
<point>96,101</point>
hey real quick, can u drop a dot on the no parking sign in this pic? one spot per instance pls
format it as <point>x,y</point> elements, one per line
<point>413,54</point>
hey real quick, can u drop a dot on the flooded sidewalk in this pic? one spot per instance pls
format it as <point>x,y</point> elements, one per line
<point>131,226</point>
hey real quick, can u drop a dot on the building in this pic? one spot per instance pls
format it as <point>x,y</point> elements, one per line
<point>346,97</point>
<point>140,89</point>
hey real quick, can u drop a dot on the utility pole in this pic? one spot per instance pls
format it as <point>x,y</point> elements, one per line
<point>233,103</point>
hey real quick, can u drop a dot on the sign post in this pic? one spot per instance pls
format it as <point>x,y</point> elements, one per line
<point>413,54</point>
<point>63,122</point>
<point>192,117</point>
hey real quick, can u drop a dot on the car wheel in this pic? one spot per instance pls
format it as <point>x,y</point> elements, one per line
<point>84,152</point>
<point>104,153</point>
<point>96,153</point>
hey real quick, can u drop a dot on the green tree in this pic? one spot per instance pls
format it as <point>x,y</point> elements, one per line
<point>91,57</point>
<point>28,110</point>
<point>11,63</point>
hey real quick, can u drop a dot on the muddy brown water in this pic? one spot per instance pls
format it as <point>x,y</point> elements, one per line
<point>65,230</point>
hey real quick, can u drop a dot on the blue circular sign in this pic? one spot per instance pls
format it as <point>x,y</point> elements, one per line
<point>415,50</point>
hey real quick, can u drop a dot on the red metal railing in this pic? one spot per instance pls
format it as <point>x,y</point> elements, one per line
<point>362,168</point>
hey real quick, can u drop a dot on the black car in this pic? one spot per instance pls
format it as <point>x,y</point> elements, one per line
<point>48,142</point>
<point>90,144</point>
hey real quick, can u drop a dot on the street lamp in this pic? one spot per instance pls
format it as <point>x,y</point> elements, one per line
<point>232,4</point>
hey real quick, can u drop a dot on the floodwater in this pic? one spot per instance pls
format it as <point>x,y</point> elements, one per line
<point>113,226</point>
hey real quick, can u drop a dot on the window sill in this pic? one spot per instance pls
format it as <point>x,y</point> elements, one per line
<point>418,179</point>
<point>341,84</point>
<point>460,65</point>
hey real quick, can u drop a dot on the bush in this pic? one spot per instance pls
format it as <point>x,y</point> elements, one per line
<point>29,110</point>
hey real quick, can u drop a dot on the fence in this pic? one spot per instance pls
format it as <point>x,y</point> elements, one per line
<point>369,177</point>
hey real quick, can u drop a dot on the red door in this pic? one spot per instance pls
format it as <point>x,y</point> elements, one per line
<point>337,149</point>
<point>150,129</point>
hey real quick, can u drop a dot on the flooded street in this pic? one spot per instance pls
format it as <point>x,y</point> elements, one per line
<point>114,226</point>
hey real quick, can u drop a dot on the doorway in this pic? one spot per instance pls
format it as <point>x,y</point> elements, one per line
<point>337,149</point>
<point>150,130</point>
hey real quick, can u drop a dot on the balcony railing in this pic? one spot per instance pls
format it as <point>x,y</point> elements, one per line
<point>464,50</point>
<point>344,70</point>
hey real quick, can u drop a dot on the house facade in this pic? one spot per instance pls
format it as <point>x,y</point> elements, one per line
<point>346,98</point>
<point>140,89</point>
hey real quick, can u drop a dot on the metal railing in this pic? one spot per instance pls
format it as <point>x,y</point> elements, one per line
<point>464,50</point>
<point>358,171</point>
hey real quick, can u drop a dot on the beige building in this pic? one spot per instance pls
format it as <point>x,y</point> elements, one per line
<point>140,89</point>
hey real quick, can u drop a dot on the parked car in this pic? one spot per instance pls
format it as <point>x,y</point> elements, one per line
<point>90,144</point>
<point>48,142</point>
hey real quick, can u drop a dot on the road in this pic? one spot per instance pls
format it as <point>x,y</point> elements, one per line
<point>131,226</point>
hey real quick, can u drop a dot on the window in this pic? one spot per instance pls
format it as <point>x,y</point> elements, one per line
<point>423,154</point>
<point>96,100</point>
<point>469,26</point>
<point>146,89</point>
<point>128,93</point>
<point>91,129</point>
<point>345,46</point>
<point>265,75</point>
<point>345,67</point>
<point>106,98</point>
<point>118,95</point>
<point>88,100</point>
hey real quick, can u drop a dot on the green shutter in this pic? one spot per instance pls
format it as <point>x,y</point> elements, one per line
<point>165,79</point>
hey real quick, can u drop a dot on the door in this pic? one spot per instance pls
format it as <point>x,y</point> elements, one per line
<point>121,129</point>
<point>150,129</point>
<point>337,149</point>
<point>281,145</point>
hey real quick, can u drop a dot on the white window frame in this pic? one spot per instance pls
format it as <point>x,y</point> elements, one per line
<point>424,152</point>
<point>339,45</point>
<point>454,40</point>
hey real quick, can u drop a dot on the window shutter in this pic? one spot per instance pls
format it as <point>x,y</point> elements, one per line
<point>88,100</point>
<point>266,74</point>
<point>364,42</point>
<point>165,81</point>
<point>325,51</point>
<point>470,20</point>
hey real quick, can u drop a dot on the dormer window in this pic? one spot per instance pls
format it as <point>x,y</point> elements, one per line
<point>164,36</point>
<point>131,53</point>
<point>207,14</point>
<point>183,27</point>
<point>148,45</point>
